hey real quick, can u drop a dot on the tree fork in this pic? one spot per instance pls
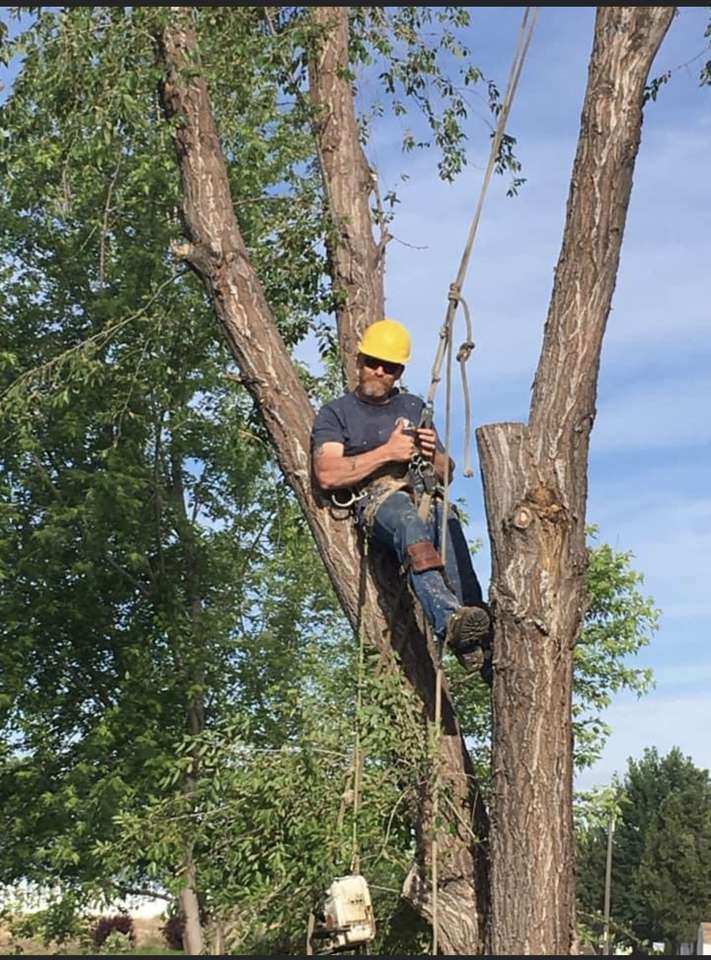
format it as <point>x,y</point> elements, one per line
<point>535,489</point>
<point>217,253</point>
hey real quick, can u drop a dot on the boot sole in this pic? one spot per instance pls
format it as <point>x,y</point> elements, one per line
<point>473,649</point>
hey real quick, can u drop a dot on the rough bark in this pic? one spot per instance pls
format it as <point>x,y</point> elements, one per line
<point>217,253</point>
<point>535,484</point>
<point>355,259</point>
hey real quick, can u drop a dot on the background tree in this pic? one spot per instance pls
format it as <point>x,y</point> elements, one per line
<point>661,872</point>
<point>142,515</point>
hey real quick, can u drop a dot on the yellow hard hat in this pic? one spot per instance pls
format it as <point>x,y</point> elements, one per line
<point>386,340</point>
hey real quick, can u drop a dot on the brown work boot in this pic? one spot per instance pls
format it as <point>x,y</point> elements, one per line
<point>469,637</point>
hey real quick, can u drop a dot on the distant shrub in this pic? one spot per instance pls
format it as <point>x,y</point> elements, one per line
<point>173,930</point>
<point>115,923</point>
<point>115,944</point>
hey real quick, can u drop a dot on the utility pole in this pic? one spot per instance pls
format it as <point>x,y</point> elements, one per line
<point>608,877</point>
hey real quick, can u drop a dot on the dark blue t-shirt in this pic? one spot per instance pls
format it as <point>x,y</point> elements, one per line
<point>360,425</point>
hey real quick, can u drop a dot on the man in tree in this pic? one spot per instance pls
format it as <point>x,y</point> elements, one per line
<point>365,442</point>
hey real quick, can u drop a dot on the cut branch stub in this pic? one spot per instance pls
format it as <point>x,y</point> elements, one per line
<point>535,488</point>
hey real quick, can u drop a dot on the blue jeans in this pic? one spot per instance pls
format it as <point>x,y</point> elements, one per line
<point>397,526</point>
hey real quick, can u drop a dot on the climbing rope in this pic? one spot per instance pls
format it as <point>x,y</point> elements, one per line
<point>436,786</point>
<point>444,348</point>
<point>455,297</point>
<point>357,758</point>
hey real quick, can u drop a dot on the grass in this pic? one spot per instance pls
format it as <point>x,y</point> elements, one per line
<point>149,943</point>
<point>153,951</point>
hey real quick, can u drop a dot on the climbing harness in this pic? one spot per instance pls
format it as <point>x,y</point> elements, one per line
<point>378,488</point>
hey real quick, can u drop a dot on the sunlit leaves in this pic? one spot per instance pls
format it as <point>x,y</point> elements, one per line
<point>423,65</point>
<point>619,622</point>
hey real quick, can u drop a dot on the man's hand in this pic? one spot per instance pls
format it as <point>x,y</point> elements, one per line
<point>426,442</point>
<point>401,442</point>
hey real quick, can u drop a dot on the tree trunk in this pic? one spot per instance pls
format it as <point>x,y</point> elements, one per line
<point>193,938</point>
<point>217,253</point>
<point>535,485</point>
<point>193,943</point>
<point>356,262</point>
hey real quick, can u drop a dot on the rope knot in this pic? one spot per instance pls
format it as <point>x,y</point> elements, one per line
<point>465,351</point>
<point>455,293</point>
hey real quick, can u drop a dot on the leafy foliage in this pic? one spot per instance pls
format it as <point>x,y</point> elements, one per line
<point>618,623</point>
<point>422,63</point>
<point>173,930</point>
<point>142,521</point>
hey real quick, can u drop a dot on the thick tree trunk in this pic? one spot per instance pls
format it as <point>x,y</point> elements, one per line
<point>217,253</point>
<point>535,483</point>
<point>356,261</point>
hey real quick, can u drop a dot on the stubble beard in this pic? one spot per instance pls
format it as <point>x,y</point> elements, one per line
<point>373,389</point>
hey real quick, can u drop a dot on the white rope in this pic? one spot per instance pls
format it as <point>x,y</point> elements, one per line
<point>445,347</point>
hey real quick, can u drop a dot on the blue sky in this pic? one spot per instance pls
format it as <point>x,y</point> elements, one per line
<point>650,463</point>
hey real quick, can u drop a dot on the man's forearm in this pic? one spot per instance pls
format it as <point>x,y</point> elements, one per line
<point>334,473</point>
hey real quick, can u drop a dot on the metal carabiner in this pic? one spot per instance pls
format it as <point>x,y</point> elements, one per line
<point>351,496</point>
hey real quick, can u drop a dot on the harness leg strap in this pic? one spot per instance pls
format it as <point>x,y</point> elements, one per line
<point>423,556</point>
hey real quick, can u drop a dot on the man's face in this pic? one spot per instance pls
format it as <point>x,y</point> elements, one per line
<point>376,378</point>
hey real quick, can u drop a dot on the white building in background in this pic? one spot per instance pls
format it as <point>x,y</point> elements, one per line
<point>703,940</point>
<point>702,947</point>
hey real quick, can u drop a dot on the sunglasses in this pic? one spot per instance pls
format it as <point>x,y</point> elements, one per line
<point>391,369</point>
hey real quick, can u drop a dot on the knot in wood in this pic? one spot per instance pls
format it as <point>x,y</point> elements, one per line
<point>542,496</point>
<point>545,503</point>
<point>522,518</point>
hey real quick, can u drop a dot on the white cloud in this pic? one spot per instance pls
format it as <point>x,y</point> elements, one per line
<point>655,721</point>
<point>686,674</point>
<point>664,413</point>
